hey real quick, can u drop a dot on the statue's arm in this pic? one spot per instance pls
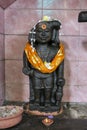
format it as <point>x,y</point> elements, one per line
<point>26,66</point>
<point>60,75</point>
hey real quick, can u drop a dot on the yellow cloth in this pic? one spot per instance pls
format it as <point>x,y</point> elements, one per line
<point>37,62</point>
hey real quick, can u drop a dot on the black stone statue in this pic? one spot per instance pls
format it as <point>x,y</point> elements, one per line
<point>43,62</point>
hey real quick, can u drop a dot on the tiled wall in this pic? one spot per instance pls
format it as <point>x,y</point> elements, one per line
<point>2,57</point>
<point>19,19</point>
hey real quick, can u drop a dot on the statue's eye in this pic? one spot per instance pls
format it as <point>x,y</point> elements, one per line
<point>47,30</point>
<point>39,30</point>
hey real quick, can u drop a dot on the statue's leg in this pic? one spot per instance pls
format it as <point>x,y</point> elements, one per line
<point>37,90</point>
<point>42,97</point>
<point>49,83</point>
<point>47,96</point>
<point>37,96</point>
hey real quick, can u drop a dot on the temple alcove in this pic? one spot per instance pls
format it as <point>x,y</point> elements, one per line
<point>16,29</point>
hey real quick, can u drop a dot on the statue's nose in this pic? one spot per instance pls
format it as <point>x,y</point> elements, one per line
<point>43,33</point>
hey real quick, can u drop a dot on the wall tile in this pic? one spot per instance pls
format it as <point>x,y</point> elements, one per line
<point>83,29</point>
<point>72,4</point>
<point>13,72</point>
<point>71,72</point>
<point>82,96</point>
<point>14,46</point>
<point>21,21</point>
<point>82,53</point>
<point>71,47</point>
<point>2,93</point>
<point>1,20</point>
<point>75,94</point>
<point>2,47</point>
<point>17,92</point>
<point>66,94</point>
<point>33,4</point>
<point>83,4</point>
<point>68,18</point>
<point>61,4</point>
<point>82,73</point>
<point>5,3</point>
<point>2,71</point>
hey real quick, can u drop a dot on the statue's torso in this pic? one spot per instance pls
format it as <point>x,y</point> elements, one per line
<point>46,53</point>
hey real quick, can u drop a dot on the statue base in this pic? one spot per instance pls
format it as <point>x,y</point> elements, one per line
<point>41,113</point>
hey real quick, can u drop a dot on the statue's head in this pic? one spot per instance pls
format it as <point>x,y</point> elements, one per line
<point>45,31</point>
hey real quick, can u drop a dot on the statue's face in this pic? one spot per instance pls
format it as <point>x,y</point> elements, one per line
<point>43,32</point>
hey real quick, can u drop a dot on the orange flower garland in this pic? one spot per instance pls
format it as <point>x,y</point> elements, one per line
<point>37,62</point>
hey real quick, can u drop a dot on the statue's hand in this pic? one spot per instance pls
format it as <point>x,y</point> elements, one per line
<point>27,71</point>
<point>60,82</point>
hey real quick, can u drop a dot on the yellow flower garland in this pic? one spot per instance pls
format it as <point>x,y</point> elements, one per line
<point>37,62</point>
